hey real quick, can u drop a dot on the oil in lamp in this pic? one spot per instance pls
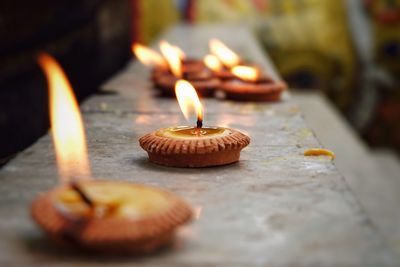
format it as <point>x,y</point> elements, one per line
<point>251,85</point>
<point>201,78</point>
<point>99,215</point>
<point>198,146</point>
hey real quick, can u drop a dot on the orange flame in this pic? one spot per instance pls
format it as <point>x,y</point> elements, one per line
<point>148,56</point>
<point>213,63</point>
<point>180,52</point>
<point>172,55</point>
<point>66,122</point>
<point>188,99</point>
<point>226,55</point>
<point>246,73</point>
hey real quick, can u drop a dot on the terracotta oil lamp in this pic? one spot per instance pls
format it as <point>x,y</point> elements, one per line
<point>151,58</point>
<point>251,85</point>
<point>172,65</point>
<point>201,77</point>
<point>108,216</point>
<point>223,59</point>
<point>198,146</point>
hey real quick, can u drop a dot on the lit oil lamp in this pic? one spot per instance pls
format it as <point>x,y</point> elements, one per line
<point>151,58</point>
<point>201,78</point>
<point>168,69</point>
<point>189,65</point>
<point>222,60</point>
<point>99,215</point>
<point>250,85</point>
<point>197,146</point>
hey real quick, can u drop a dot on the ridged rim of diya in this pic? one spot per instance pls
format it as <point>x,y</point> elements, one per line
<point>112,235</point>
<point>258,92</point>
<point>224,75</point>
<point>204,87</point>
<point>169,150</point>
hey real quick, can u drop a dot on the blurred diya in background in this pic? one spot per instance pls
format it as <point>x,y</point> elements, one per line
<point>198,146</point>
<point>151,58</point>
<point>99,215</point>
<point>173,66</point>
<point>251,85</point>
<point>222,60</point>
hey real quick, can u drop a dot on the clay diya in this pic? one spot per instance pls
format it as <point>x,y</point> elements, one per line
<point>201,78</point>
<point>223,59</point>
<point>250,85</point>
<point>98,215</point>
<point>151,58</point>
<point>174,65</point>
<point>198,146</point>
<point>219,70</point>
<point>110,216</point>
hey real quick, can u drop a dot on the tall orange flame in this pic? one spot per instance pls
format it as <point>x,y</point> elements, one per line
<point>66,123</point>
<point>246,73</point>
<point>148,56</point>
<point>188,99</point>
<point>226,55</point>
<point>172,56</point>
<point>213,63</point>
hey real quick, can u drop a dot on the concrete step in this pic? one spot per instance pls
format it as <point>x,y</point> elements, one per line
<point>389,164</point>
<point>372,176</point>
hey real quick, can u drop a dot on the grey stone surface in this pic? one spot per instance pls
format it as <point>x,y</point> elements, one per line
<point>372,176</point>
<point>273,208</point>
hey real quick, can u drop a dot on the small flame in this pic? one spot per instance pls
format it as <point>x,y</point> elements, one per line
<point>180,52</point>
<point>148,56</point>
<point>226,55</point>
<point>213,63</point>
<point>172,55</point>
<point>66,122</point>
<point>188,99</point>
<point>246,73</point>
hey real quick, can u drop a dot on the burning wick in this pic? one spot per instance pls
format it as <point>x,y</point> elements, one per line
<point>199,123</point>
<point>75,186</point>
<point>189,100</point>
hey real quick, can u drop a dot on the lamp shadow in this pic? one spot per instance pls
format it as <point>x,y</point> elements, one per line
<point>44,248</point>
<point>143,162</point>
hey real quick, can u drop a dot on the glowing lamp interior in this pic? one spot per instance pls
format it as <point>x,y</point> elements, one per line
<point>226,55</point>
<point>172,55</point>
<point>148,56</point>
<point>66,123</point>
<point>213,63</point>
<point>246,73</point>
<point>188,99</point>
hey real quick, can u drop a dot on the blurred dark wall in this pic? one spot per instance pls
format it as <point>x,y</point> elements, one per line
<point>90,38</point>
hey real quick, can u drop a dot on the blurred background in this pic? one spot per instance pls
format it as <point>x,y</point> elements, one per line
<point>347,52</point>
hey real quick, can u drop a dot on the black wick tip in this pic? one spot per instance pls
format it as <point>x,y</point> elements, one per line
<point>75,186</point>
<point>199,123</point>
